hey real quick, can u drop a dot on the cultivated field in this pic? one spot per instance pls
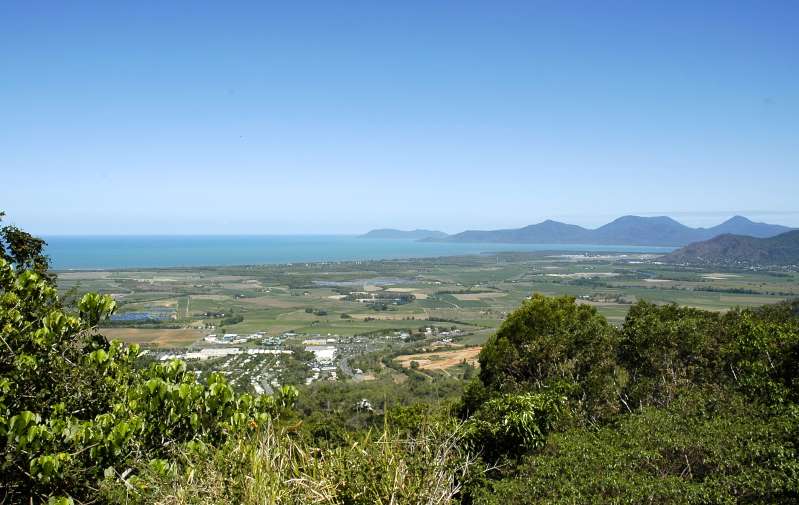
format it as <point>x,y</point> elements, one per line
<point>471,293</point>
<point>441,360</point>
<point>161,337</point>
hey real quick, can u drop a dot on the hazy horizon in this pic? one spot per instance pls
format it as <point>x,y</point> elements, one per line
<point>697,221</point>
<point>274,119</point>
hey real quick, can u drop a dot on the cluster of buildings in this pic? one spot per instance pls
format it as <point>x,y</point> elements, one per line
<point>216,352</point>
<point>324,358</point>
<point>234,338</point>
<point>330,354</point>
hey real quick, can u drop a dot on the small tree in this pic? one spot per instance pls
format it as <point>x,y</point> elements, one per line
<point>24,251</point>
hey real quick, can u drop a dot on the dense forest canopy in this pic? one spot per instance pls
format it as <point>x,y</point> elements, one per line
<point>676,406</point>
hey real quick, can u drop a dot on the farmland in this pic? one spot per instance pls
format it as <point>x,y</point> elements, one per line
<point>400,308</point>
<point>476,291</point>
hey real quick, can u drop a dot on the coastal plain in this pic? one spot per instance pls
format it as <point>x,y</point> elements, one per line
<point>472,292</point>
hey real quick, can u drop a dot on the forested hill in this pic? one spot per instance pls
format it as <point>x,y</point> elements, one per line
<point>731,249</point>
<point>626,230</point>
<point>391,233</point>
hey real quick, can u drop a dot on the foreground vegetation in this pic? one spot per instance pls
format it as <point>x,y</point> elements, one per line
<point>678,405</point>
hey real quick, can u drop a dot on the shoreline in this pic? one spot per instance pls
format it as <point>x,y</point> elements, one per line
<point>542,253</point>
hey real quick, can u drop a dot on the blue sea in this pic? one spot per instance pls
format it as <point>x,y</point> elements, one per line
<point>117,252</point>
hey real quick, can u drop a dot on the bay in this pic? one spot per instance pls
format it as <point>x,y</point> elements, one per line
<point>139,251</point>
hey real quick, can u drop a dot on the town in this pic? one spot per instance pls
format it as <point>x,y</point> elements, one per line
<point>261,363</point>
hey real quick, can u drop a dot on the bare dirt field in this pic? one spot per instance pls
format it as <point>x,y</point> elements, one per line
<point>585,275</point>
<point>465,297</point>
<point>399,378</point>
<point>439,360</point>
<point>243,285</point>
<point>380,317</point>
<point>159,337</point>
<point>364,377</point>
<point>719,277</point>
<point>210,297</point>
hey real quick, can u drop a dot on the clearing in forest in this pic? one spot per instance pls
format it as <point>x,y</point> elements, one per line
<point>440,360</point>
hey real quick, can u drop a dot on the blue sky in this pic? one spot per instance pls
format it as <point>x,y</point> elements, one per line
<point>338,117</point>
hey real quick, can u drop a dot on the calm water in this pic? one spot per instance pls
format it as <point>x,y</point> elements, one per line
<point>107,252</point>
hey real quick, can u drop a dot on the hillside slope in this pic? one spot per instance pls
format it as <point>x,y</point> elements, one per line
<point>626,230</point>
<point>547,232</point>
<point>741,250</point>
<point>739,225</point>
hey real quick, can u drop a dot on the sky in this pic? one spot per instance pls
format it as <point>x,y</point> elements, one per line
<point>338,117</point>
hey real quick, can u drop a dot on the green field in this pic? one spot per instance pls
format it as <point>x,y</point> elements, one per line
<point>473,293</point>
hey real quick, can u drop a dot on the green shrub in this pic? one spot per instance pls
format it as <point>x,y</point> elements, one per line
<point>74,407</point>
<point>554,343</point>
<point>667,348</point>
<point>705,448</point>
<point>513,424</point>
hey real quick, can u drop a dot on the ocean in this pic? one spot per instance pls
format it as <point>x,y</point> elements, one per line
<point>119,252</point>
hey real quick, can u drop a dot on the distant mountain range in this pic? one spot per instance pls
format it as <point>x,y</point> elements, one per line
<point>738,250</point>
<point>627,230</point>
<point>389,233</point>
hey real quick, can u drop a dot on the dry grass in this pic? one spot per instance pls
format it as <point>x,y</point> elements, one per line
<point>159,337</point>
<point>465,297</point>
<point>274,468</point>
<point>440,360</point>
<point>211,297</point>
<point>382,317</point>
<point>719,276</point>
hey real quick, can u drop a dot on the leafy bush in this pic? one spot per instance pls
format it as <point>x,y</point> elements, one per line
<point>554,343</point>
<point>705,448</point>
<point>667,348</point>
<point>705,406</point>
<point>513,424</point>
<point>231,320</point>
<point>74,408</point>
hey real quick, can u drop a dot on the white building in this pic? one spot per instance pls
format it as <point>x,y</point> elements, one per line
<point>323,353</point>
<point>204,354</point>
